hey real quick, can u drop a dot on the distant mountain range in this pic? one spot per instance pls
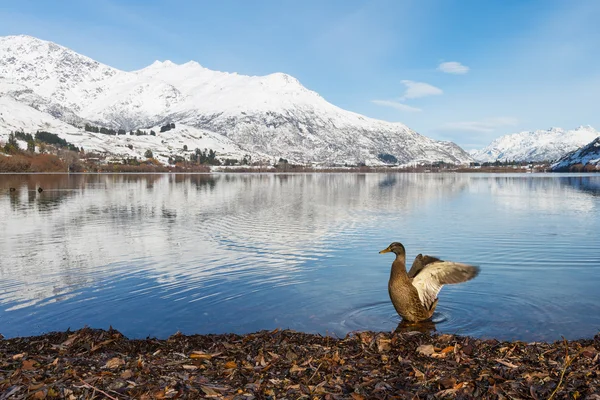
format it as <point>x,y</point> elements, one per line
<point>540,145</point>
<point>49,87</point>
<point>586,156</point>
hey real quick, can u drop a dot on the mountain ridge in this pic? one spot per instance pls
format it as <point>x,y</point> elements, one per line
<point>538,145</point>
<point>273,115</point>
<point>585,158</point>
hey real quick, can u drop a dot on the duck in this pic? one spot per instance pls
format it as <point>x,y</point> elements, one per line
<point>414,293</point>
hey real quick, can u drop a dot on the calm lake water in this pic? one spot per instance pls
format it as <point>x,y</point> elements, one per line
<point>155,254</point>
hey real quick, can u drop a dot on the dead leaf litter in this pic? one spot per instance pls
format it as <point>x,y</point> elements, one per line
<point>283,364</point>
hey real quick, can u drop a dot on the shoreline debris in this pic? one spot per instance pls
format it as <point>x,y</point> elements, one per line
<point>92,363</point>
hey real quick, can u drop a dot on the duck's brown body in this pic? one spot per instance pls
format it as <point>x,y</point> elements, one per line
<point>404,295</point>
<point>414,293</point>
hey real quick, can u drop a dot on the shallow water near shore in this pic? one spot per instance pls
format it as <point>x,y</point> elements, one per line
<point>155,254</point>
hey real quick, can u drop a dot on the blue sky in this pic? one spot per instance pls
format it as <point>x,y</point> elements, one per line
<point>461,70</point>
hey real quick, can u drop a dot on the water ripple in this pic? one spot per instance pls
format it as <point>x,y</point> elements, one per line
<point>153,254</point>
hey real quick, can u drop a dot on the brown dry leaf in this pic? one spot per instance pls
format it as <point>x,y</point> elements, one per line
<point>382,386</point>
<point>18,356</point>
<point>531,375</point>
<point>70,340</point>
<point>33,388</point>
<point>383,345</point>
<point>445,337</point>
<point>39,395</point>
<point>365,337</point>
<point>28,365</point>
<point>445,393</point>
<point>426,349</point>
<point>506,363</point>
<point>418,374</point>
<point>447,349</point>
<point>189,367</point>
<point>230,364</point>
<point>99,345</point>
<point>113,363</point>
<point>589,351</point>
<point>200,355</point>
<point>209,392</point>
<point>296,368</point>
<point>336,357</point>
<point>448,382</point>
<point>356,396</point>
<point>291,356</point>
<point>127,374</point>
<point>55,362</point>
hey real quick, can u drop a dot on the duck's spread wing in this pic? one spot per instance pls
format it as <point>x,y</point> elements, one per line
<point>431,278</point>
<point>421,262</point>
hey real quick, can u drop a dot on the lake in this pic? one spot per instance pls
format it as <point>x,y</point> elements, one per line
<point>151,255</point>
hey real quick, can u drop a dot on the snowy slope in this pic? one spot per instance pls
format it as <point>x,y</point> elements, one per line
<point>51,71</point>
<point>273,114</point>
<point>540,145</point>
<point>586,155</point>
<point>15,116</point>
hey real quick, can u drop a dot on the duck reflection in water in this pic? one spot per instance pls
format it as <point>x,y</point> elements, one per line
<point>423,327</point>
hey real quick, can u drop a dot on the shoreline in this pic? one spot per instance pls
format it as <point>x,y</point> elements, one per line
<point>93,363</point>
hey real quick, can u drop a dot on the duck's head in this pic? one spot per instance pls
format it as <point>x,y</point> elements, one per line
<point>396,248</point>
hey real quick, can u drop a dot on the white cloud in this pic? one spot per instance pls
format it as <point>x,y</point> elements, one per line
<point>453,67</point>
<point>484,126</point>
<point>396,105</point>
<point>419,89</point>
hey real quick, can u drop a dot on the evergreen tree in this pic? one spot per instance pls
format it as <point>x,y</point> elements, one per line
<point>12,146</point>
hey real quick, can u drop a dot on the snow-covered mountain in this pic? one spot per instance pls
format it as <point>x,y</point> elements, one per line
<point>587,155</point>
<point>16,116</point>
<point>272,115</point>
<point>540,145</point>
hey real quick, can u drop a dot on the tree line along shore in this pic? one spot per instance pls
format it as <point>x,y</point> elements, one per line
<point>47,152</point>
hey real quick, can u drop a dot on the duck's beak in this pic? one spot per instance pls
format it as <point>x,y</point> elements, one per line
<point>385,251</point>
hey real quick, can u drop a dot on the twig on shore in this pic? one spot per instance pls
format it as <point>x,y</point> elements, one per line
<point>100,390</point>
<point>568,362</point>
<point>313,375</point>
